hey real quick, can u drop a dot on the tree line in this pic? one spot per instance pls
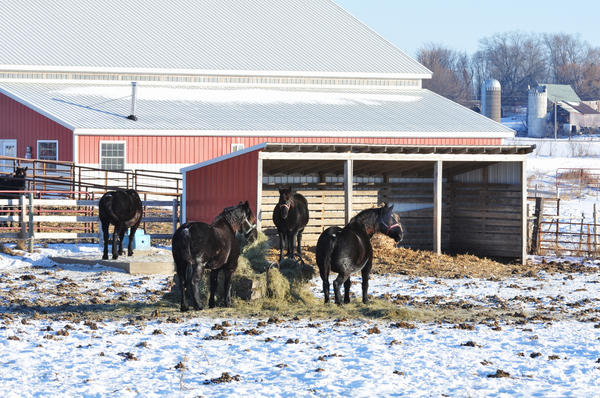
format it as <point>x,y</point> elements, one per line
<point>517,60</point>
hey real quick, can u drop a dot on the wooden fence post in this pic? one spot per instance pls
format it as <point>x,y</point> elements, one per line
<point>595,230</point>
<point>535,234</point>
<point>175,214</point>
<point>31,232</point>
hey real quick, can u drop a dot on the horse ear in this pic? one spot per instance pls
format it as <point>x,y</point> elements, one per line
<point>280,191</point>
<point>246,204</point>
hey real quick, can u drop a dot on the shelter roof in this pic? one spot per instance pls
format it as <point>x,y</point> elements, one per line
<point>92,108</point>
<point>213,36</point>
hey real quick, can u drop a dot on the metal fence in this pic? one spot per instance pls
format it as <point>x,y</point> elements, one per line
<point>31,219</point>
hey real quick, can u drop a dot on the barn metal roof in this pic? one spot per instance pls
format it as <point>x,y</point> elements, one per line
<point>561,92</point>
<point>312,36</point>
<point>91,108</point>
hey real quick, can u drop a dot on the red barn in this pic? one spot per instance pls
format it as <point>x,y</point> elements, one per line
<point>212,78</point>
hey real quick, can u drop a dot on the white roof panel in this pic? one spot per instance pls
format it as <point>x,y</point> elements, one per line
<point>221,109</point>
<point>208,35</point>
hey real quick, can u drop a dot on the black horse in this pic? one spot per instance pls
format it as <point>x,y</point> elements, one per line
<point>14,183</point>
<point>290,216</point>
<point>347,250</point>
<point>123,209</point>
<point>197,245</point>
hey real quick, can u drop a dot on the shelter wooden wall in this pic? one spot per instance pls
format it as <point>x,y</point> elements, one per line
<point>485,219</point>
<point>326,208</point>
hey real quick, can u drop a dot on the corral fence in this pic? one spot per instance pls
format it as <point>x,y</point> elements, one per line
<point>553,233</point>
<point>575,181</point>
<point>65,179</point>
<point>30,217</point>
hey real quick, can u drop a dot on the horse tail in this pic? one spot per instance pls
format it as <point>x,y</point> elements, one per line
<point>105,208</point>
<point>325,247</point>
<point>182,253</point>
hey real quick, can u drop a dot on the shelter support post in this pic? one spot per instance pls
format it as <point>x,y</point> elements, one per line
<point>348,177</point>
<point>259,189</point>
<point>437,207</point>
<point>524,214</point>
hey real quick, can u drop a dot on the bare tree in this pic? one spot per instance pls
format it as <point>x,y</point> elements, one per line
<point>452,75</point>
<point>513,58</point>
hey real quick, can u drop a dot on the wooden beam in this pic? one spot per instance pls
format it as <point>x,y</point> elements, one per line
<point>259,189</point>
<point>348,174</point>
<point>437,207</point>
<point>523,212</point>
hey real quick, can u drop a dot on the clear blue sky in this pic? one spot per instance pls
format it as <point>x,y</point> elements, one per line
<point>459,24</point>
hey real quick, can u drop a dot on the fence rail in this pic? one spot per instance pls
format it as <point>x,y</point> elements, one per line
<point>62,177</point>
<point>30,218</point>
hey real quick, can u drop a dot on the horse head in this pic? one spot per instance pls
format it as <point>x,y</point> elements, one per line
<point>248,222</point>
<point>286,201</point>
<point>389,223</point>
<point>20,172</point>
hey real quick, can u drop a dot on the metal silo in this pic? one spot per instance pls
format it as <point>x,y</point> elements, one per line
<point>491,99</point>
<point>537,105</point>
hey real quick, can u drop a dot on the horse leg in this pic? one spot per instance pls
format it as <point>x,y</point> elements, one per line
<point>365,280</point>
<point>186,286</point>
<point>282,243</point>
<point>347,291</point>
<point>115,242</point>
<point>105,235</point>
<point>131,236</point>
<point>227,282</point>
<point>291,244</point>
<point>214,279</point>
<point>324,271</point>
<point>300,245</point>
<point>122,230</point>
<point>337,283</point>
<point>196,281</point>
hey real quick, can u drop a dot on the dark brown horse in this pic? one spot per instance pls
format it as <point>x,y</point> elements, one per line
<point>123,209</point>
<point>10,188</point>
<point>347,250</point>
<point>290,216</point>
<point>197,246</point>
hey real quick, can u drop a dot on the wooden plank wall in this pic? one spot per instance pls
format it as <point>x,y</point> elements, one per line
<point>485,219</point>
<point>326,208</point>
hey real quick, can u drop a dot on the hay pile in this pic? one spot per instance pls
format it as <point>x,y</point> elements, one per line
<point>256,277</point>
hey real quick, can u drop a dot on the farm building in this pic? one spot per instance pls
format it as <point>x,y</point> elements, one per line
<point>240,76</point>
<point>450,198</point>
<point>249,94</point>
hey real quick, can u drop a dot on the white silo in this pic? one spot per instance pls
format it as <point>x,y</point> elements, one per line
<point>537,105</point>
<point>491,97</point>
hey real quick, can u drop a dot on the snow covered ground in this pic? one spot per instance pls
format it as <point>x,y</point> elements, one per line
<point>554,354</point>
<point>160,356</point>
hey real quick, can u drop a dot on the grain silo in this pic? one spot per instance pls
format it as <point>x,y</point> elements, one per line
<point>537,105</point>
<point>491,99</point>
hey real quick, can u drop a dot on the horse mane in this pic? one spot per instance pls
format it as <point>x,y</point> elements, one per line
<point>230,216</point>
<point>366,216</point>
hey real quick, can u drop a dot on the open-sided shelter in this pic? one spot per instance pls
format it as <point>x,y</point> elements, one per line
<point>450,198</point>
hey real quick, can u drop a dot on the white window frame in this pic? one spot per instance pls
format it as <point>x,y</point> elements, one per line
<point>237,146</point>
<point>37,148</point>
<point>112,142</point>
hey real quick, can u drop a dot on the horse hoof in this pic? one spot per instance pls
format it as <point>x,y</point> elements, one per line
<point>105,257</point>
<point>115,257</point>
<point>130,254</point>
<point>198,308</point>
<point>184,309</point>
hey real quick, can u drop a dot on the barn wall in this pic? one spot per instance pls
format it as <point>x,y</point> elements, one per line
<point>209,189</point>
<point>485,218</point>
<point>192,149</point>
<point>28,126</point>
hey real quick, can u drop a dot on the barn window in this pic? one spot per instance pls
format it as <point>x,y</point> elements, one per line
<point>47,150</point>
<point>112,155</point>
<point>237,147</point>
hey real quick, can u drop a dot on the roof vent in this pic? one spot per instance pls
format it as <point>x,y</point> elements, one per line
<point>132,116</point>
